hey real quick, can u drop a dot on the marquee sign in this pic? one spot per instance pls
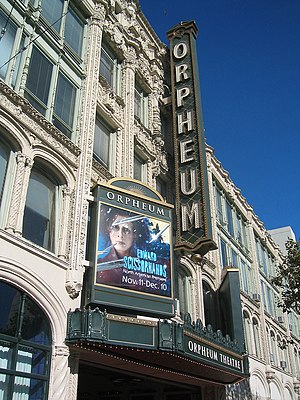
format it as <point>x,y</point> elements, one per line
<point>132,245</point>
<point>192,201</point>
<point>213,355</point>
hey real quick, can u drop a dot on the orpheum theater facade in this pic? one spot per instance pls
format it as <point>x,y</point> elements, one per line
<point>105,231</point>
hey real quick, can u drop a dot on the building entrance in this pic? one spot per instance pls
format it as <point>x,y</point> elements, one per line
<point>96,383</point>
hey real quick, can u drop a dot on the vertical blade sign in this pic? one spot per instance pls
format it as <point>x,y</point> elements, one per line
<point>192,200</point>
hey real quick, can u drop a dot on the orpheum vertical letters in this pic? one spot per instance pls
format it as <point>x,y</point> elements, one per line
<point>193,227</point>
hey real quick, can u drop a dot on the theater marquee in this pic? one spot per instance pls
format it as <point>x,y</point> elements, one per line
<point>192,201</point>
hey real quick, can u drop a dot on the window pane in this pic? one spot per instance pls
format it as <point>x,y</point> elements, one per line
<point>35,325</point>
<point>4,156</point>
<point>234,259</point>
<point>4,386</point>
<point>52,11</point>
<point>106,67</point>
<point>219,205</point>
<point>7,42</point>
<point>229,218</point>
<point>224,254</point>
<point>138,168</point>
<point>5,356</point>
<point>10,304</point>
<point>74,31</point>
<point>64,102</point>
<point>31,360</point>
<point>37,389</point>
<point>39,215</point>
<point>39,77</point>
<point>21,388</point>
<point>137,104</point>
<point>161,187</point>
<point>101,142</point>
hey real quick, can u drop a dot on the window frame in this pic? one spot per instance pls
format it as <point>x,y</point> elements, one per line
<point>112,137</point>
<point>141,104</point>
<point>114,80</point>
<point>138,160</point>
<point>40,167</point>
<point>184,290</point>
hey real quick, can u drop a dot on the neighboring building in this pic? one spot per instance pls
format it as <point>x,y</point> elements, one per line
<point>85,112</point>
<point>281,236</point>
<point>272,337</point>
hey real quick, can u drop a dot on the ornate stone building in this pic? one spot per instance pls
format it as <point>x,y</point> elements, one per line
<point>85,98</point>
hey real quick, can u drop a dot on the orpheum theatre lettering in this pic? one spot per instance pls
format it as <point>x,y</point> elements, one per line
<point>192,205</point>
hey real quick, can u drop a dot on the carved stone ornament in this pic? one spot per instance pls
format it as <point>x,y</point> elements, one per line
<point>73,289</point>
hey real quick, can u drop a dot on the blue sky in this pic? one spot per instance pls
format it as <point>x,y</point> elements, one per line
<point>249,63</point>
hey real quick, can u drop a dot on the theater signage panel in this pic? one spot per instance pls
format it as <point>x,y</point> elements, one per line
<point>212,355</point>
<point>192,202</point>
<point>132,249</point>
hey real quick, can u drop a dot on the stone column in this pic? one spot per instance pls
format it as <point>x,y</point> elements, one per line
<point>16,209</point>
<point>59,384</point>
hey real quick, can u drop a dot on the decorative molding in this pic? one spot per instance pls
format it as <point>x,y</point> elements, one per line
<point>36,124</point>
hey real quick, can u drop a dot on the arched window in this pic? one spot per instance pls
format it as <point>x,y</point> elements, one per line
<point>273,346</point>
<point>25,346</point>
<point>183,288</point>
<point>247,331</point>
<point>209,305</point>
<point>41,209</point>
<point>256,337</point>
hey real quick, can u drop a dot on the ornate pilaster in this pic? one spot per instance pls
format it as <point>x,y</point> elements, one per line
<point>85,143</point>
<point>63,229</point>
<point>15,214</point>
<point>194,296</point>
<point>118,153</point>
<point>128,138</point>
<point>26,67</point>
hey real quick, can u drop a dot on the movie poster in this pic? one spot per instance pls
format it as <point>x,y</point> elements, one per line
<point>133,251</point>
